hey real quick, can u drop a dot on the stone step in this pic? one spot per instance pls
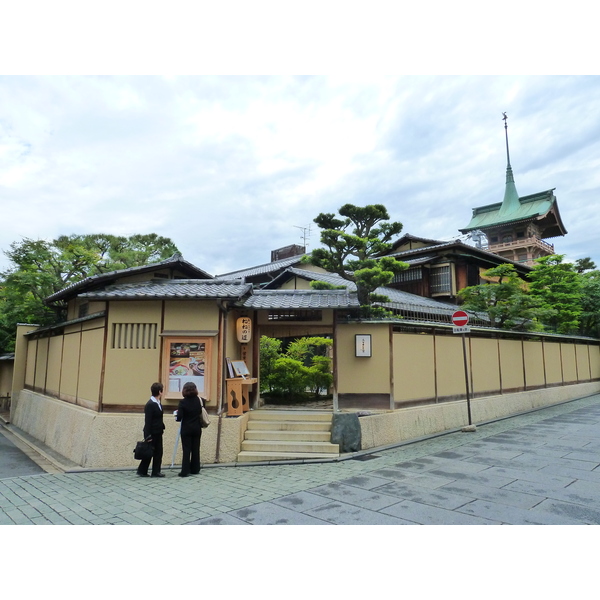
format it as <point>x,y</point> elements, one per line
<point>290,447</point>
<point>291,436</point>
<point>246,456</point>
<point>289,425</point>
<point>287,435</point>
<point>289,415</point>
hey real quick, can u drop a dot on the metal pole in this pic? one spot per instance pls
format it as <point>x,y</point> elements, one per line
<point>466,377</point>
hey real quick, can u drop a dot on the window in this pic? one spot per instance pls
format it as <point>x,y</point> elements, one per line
<point>295,315</point>
<point>412,274</point>
<point>441,282</point>
<point>134,336</point>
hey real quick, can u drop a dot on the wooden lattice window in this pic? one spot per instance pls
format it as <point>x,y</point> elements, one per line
<point>134,336</point>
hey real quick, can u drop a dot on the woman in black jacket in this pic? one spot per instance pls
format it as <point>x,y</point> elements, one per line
<point>188,412</point>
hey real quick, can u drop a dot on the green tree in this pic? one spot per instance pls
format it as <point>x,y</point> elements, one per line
<point>40,268</point>
<point>270,350</point>
<point>506,302</point>
<point>304,365</point>
<point>584,264</point>
<point>354,248</point>
<point>589,320</point>
<point>558,286</point>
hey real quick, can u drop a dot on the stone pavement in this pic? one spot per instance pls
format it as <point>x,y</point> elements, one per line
<point>541,467</point>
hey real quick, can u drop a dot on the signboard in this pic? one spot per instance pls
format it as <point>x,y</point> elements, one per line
<point>460,320</point>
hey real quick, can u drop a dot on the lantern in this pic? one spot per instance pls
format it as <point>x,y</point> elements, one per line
<point>244,329</point>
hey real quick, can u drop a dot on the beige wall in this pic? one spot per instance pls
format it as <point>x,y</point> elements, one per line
<point>450,366</point>
<point>533,353</point>
<point>569,363</point>
<point>484,366</point>
<point>431,367</point>
<point>552,361</point>
<point>511,364</point>
<point>414,367</point>
<point>360,375</point>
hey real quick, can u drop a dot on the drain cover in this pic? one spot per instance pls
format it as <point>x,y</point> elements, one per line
<point>366,457</point>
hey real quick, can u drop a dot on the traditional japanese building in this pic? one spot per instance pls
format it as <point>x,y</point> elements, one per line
<point>517,227</point>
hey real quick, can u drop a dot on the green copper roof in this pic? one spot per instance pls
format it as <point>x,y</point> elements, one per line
<point>528,208</point>
<point>510,204</point>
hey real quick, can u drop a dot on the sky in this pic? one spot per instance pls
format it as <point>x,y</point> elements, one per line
<point>231,163</point>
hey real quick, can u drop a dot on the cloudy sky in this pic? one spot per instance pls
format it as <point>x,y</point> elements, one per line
<point>231,167</point>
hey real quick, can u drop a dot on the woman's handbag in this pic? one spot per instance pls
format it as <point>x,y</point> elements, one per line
<point>204,420</point>
<point>143,450</point>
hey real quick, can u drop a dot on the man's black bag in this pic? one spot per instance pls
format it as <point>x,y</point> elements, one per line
<point>143,450</point>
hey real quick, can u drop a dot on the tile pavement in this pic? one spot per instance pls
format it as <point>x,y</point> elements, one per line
<point>538,468</point>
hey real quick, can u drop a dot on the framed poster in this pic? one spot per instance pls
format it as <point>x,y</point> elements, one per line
<point>240,369</point>
<point>363,345</point>
<point>187,359</point>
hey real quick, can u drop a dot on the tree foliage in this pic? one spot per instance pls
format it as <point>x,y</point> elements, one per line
<point>303,366</point>
<point>354,247</point>
<point>506,301</point>
<point>557,285</point>
<point>40,268</point>
<point>589,319</point>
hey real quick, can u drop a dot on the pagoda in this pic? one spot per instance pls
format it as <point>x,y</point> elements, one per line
<point>517,227</point>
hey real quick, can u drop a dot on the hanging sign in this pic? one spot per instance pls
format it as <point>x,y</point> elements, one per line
<point>244,330</point>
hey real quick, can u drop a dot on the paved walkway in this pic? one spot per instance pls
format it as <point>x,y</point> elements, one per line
<point>538,468</point>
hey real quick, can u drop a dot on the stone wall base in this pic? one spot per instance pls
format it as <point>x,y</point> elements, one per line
<point>406,424</point>
<point>107,440</point>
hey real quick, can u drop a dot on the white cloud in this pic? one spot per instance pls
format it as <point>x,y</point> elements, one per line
<point>231,168</point>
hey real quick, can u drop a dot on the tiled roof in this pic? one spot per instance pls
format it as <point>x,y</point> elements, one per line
<point>301,299</point>
<point>172,289</point>
<point>459,247</point>
<point>276,265</point>
<point>175,262</point>
<point>398,298</point>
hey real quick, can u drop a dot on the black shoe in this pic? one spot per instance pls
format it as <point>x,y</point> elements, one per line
<point>183,474</point>
<point>157,475</point>
<point>143,475</point>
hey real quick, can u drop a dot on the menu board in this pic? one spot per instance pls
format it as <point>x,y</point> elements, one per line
<point>187,362</point>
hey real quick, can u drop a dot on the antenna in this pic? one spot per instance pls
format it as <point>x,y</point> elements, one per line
<point>304,235</point>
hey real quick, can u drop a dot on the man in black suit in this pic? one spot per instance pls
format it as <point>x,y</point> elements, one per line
<point>153,432</point>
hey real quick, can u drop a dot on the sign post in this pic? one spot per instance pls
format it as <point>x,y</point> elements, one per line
<point>460,320</point>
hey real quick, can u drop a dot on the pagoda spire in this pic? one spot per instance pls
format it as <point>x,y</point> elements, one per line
<point>511,202</point>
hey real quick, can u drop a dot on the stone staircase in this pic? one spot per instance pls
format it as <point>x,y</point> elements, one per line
<point>287,435</point>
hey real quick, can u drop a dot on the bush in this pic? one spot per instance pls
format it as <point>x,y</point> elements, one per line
<point>302,368</point>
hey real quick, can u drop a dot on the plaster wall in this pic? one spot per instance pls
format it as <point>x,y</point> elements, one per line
<point>107,440</point>
<point>129,372</point>
<point>553,363</point>
<point>582,358</point>
<point>511,365</point>
<point>53,367</point>
<point>484,367</point>
<point>594,354</point>
<point>363,375</point>
<point>533,355</point>
<point>39,378</point>
<point>450,367</point>
<point>414,367</point>
<point>569,363</point>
